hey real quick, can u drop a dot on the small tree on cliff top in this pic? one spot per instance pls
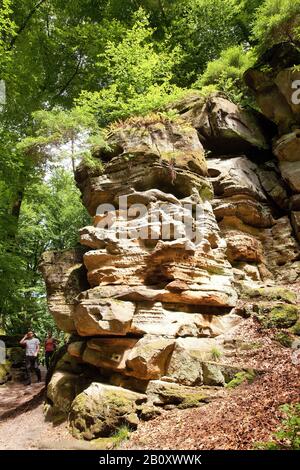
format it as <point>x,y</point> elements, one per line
<point>135,76</point>
<point>69,131</point>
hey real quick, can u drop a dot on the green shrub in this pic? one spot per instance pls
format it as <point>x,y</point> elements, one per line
<point>226,73</point>
<point>288,435</point>
<point>215,354</point>
<point>122,434</point>
<point>138,77</point>
<point>240,378</point>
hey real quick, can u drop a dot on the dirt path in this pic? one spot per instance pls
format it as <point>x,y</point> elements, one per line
<point>22,422</point>
<point>28,430</point>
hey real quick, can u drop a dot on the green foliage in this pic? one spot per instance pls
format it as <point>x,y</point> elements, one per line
<point>226,73</point>
<point>240,378</point>
<point>204,28</point>
<point>121,435</point>
<point>70,132</point>
<point>288,435</point>
<point>216,354</point>
<point>50,217</point>
<point>52,214</point>
<point>277,21</point>
<point>137,74</point>
<point>7,31</point>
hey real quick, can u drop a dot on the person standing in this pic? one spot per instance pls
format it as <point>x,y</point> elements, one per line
<point>50,347</point>
<point>32,347</point>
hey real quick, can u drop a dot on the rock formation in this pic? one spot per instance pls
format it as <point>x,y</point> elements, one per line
<point>178,235</point>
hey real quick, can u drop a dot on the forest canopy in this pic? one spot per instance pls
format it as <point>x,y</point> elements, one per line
<point>70,69</point>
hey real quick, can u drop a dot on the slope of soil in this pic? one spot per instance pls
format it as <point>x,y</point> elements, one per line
<point>244,416</point>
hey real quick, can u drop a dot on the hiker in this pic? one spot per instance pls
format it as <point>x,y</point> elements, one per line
<point>50,348</point>
<point>32,346</point>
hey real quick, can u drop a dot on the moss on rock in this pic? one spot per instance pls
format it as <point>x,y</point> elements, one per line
<point>64,387</point>
<point>295,330</point>
<point>240,378</point>
<point>5,372</point>
<point>271,293</point>
<point>284,339</point>
<point>276,316</point>
<point>101,409</point>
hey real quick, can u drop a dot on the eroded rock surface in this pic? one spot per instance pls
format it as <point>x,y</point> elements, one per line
<point>175,239</point>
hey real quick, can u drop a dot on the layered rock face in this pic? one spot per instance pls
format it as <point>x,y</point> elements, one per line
<point>275,83</point>
<point>175,235</point>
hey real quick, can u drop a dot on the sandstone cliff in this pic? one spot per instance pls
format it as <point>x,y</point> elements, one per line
<point>151,317</point>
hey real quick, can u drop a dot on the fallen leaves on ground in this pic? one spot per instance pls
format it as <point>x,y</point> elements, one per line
<point>246,415</point>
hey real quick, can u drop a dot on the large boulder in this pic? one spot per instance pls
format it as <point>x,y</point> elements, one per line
<point>291,174</point>
<point>259,244</point>
<point>165,155</point>
<point>101,409</point>
<point>109,353</point>
<point>149,298</point>
<point>185,365</point>
<point>63,388</point>
<point>157,318</point>
<point>286,148</point>
<point>278,315</point>
<point>222,124</point>
<point>163,393</point>
<point>149,357</point>
<point>282,251</point>
<point>295,218</point>
<point>271,80</point>
<point>103,316</point>
<point>169,140</point>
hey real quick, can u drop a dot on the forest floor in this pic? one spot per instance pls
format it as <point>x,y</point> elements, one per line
<point>241,418</point>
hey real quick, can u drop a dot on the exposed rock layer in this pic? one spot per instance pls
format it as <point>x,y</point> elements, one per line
<point>174,238</point>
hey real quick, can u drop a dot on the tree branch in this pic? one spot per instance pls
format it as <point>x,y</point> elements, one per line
<point>25,22</point>
<point>63,89</point>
